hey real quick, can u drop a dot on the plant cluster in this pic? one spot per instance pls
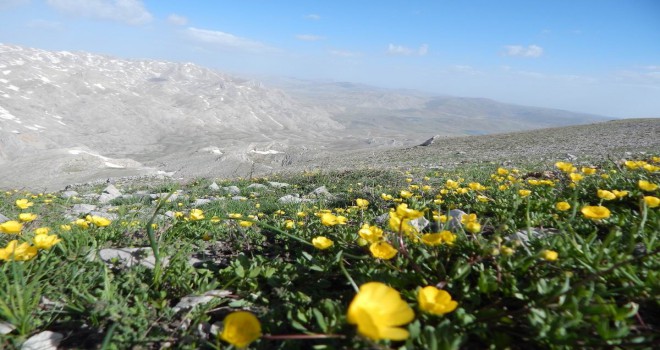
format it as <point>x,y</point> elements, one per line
<point>561,257</point>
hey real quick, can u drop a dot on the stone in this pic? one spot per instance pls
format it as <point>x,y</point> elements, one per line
<point>6,327</point>
<point>201,201</point>
<point>291,199</point>
<point>109,193</point>
<point>188,302</point>
<point>69,194</point>
<point>232,190</point>
<point>239,198</point>
<point>524,236</point>
<point>429,141</point>
<point>78,209</point>
<point>46,340</point>
<point>214,187</point>
<point>257,186</point>
<point>278,184</point>
<point>129,257</point>
<point>320,192</point>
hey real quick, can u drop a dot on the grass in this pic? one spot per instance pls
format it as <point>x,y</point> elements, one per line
<point>600,291</point>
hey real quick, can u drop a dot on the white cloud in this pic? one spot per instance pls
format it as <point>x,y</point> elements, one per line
<point>406,51</point>
<point>344,53</point>
<point>399,50</point>
<point>521,51</point>
<point>423,50</point>
<point>308,37</point>
<point>177,20</point>
<point>226,40</point>
<point>313,17</point>
<point>127,11</point>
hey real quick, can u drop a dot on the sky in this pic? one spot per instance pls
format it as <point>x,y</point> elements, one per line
<point>594,56</point>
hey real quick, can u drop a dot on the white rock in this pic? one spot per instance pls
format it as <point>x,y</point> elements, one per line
<point>46,340</point>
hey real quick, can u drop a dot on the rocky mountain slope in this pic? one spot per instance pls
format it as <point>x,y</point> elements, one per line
<point>73,117</point>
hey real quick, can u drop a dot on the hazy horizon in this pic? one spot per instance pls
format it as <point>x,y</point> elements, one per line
<point>598,57</point>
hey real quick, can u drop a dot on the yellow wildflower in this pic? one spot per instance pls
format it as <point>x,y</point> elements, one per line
<point>235,215</point>
<point>475,186</point>
<point>362,203</point>
<point>647,186</point>
<point>11,227</point>
<point>565,167</point>
<point>244,223</point>
<point>502,171</point>
<point>23,203</point>
<point>575,177</point>
<point>562,206</point>
<point>620,194</point>
<point>473,227</point>
<point>371,234</point>
<point>27,217</point>
<point>524,193</point>
<point>405,194</point>
<point>606,195</point>
<point>386,197</point>
<point>65,227</point>
<point>451,184</point>
<point>435,301</point>
<point>322,243</point>
<point>549,255</point>
<point>98,221</point>
<point>651,201</point>
<point>595,212</point>
<point>378,311</point>
<point>382,250</point>
<point>240,329</point>
<point>196,214</point>
<point>588,170</point>
<point>433,239</point>
<point>19,252</point>
<point>406,213</point>
<point>45,241</point>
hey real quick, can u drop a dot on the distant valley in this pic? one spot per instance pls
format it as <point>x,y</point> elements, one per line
<point>72,116</point>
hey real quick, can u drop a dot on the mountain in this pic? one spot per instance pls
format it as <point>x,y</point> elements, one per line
<point>75,116</point>
<point>386,112</point>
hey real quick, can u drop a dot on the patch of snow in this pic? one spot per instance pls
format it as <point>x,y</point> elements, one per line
<point>16,131</point>
<point>114,166</point>
<point>5,81</point>
<point>270,151</point>
<point>59,121</point>
<point>13,87</point>
<point>100,86</point>
<point>4,114</point>
<point>44,79</point>
<point>5,72</point>
<point>31,128</point>
<point>6,95</point>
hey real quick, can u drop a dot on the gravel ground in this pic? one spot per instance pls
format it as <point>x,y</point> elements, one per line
<point>612,140</point>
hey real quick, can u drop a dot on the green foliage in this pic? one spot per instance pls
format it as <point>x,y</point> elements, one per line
<point>600,290</point>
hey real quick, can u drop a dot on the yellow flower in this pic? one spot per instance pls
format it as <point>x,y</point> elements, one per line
<point>651,201</point>
<point>99,221</point>
<point>575,177</point>
<point>588,170</point>
<point>45,241</point>
<point>647,186</point>
<point>378,311</point>
<point>451,184</point>
<point>11,227</point>
<point>329,219</point>
<point>565,167</point>
<point>244,223</point>
<point>473,227</point>
<point>524,193</point>
<point>386,197</point>
<point>362,203</point>
<point>23,203</point>
<point>433,239</point>
<point>482,199</point>
<point>371,234</point>
<point>27,217</point>
<point>502,171</point>
<point>468,218</point>
<point>405,194</point>
<point>399,224</point>
<point>235,215</point>
<point>405,213</point>
<point>215,219</point>
<point>595,212</point>
<point>475,186</point>
<point>382,250</point>
<point>549,255</point>
<point>435,301</point>
<point>65,227</point>
<point>620,194</point>
<point>14,251</point>
<point>82,223</point>
<point>562,206</point>
<point>240,329</point>
<point>507,250</point>
<point>634,164</point>
<point>42,230</point>
<point>606,195</point>
<point>322,243</point>
<point>196,214</point>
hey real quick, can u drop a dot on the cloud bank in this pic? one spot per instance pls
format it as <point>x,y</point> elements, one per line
<point>128,11</point>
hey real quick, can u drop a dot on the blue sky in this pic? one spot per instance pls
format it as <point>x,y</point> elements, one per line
<point>594,56</point>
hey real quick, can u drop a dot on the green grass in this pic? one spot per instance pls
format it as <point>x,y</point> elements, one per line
<point>601,292</point>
